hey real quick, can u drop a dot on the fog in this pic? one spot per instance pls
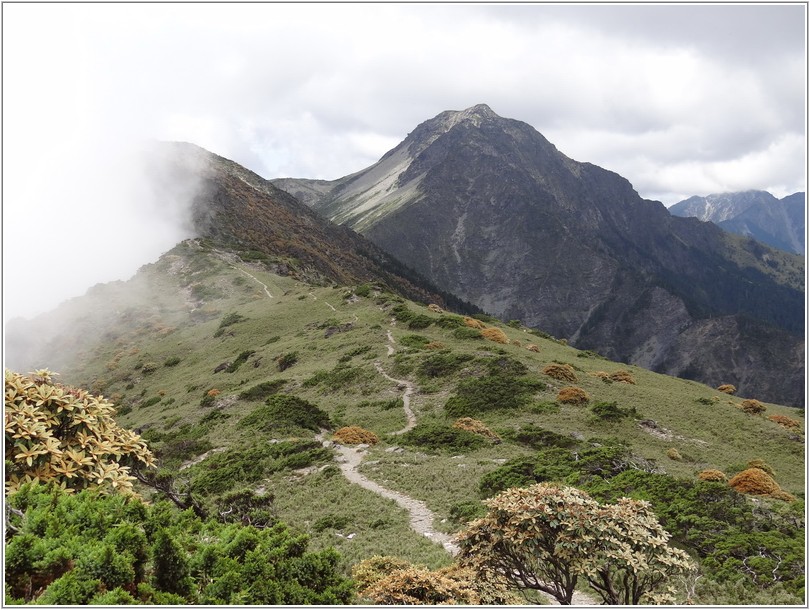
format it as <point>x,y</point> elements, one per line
<point>682,100</point>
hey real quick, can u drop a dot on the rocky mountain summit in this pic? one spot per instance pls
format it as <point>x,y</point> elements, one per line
<point>490,210</point>
<point>758,214</point>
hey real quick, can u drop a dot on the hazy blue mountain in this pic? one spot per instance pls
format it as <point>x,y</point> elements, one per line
<point>758,214</point>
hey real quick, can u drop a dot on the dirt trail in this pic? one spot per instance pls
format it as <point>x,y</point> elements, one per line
<point>406,399</point>
<point>329,305</point>
<point>349,458</point>
<point>230,260</point>
<point>421,517</point>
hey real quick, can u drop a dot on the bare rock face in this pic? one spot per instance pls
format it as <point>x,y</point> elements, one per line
<point>489,210</point>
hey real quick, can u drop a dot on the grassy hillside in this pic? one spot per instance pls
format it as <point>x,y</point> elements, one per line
<point>231,373</point>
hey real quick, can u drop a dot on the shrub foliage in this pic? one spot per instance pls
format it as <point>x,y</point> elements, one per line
<point>89,549</point>
<point>66,435</point>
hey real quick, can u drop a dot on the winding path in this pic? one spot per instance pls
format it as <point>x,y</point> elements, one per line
<point>229,260</point>
<point>406,399</point>
<point>421,517</point>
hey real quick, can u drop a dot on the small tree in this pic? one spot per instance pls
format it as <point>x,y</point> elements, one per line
<point>547,537</point>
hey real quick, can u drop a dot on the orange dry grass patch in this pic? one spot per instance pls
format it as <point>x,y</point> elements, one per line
<point>213,392</point>
<point>435,345</point>
<point>495,334</point>
<point>572,395</point>
<point>563,372</point>
<point>355,435</point>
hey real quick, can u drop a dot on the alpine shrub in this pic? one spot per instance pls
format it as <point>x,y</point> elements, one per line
<point>476,427</point>
<point>562,372</point>
<point>784,421</point>
<point>752,407</point>
<point>355,435</point>
<point>572,395</point>
<point>712,475</point>
<point>282,410</point>
<point>495,334</point>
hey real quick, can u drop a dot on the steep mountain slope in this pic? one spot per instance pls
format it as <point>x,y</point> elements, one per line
<point>237,383</point>
<point>247,361</point>
<point>776,222</point>
<point>491,211</point>
<point>234,210</point>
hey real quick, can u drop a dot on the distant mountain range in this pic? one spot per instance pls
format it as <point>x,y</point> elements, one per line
<point>758,214</point>
<point>489,210</point>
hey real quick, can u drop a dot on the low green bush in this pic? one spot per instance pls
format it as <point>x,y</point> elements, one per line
<point>610,411</point>
<point>340,378</point>
<point>535,437</point>
<point>285,361</point>
<point>442,364</point>
<point>239,361</point>
<point>554,464</point>
<point>490,393</point>
<point>441,437</point>
<point>465,332</point>
<point>221,472</point>
<point>84,548</point>
<point>282,411</point>
<point>415,341</point>
<point>262,390</point>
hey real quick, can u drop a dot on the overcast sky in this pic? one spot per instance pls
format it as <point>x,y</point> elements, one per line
<point>681,100</point>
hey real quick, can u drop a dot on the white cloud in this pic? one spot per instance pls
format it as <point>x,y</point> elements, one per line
<point>680,99</point>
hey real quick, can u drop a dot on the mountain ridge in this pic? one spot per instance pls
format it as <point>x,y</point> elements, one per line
<point>489,209</point>
<point>758,214</point>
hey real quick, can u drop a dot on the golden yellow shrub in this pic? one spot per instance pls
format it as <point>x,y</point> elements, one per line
<point>727,388</point>
<point>476,427</point>
<point>752,406</point>
<point>712,474</point>
<point>495,334</point>
<point>355,435</point>
<point>674,454</point>
<point>213,392</point>
<point>375,568</point>
<point>623,377</point>
<point>532,347</point>
<point>473,323</point>
<point>572,395</point>
<point>563,372</point>
<point>435,308</point>
<point>784,421</point>
<point>754,481</point>
<point>783,495</point>
<point>419,586</point>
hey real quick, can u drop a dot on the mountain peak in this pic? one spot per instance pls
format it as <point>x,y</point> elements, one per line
<point>475,115</point>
